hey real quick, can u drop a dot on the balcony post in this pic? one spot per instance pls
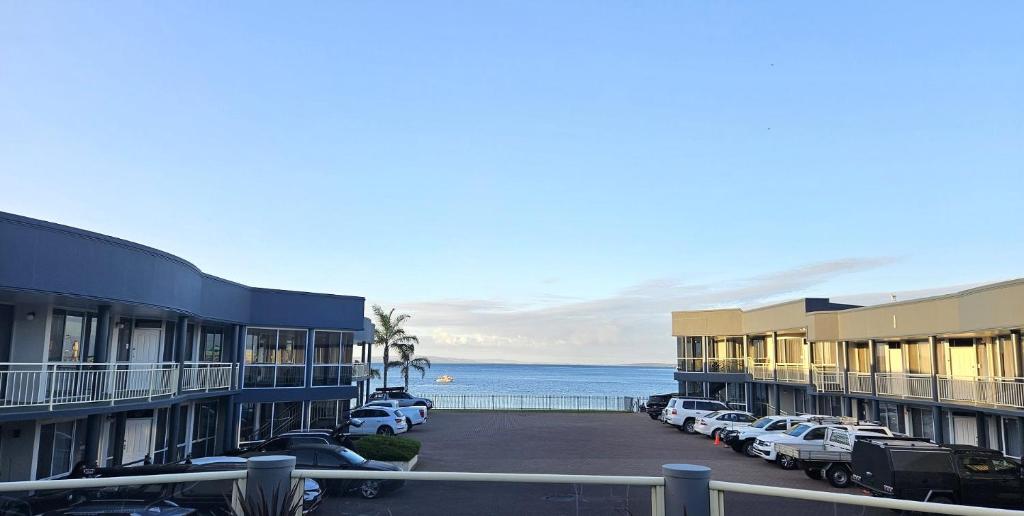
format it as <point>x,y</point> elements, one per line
<point>268,478</point>
<point>180,341</point>
<point>308,357</point>
<point>100,353</point>
<point>935,367</point>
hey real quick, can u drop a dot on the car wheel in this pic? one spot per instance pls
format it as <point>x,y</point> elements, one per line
<point>653,416</point>
<point>385,430</point>
<point>688,426</point>
<point>786,462</point>
<point>814,473</point>
<point>838,475</point>
<point>369,489</point>
<point>748,448</point>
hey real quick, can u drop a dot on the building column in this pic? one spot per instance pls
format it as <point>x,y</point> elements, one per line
<point>776,398</point>
<point>229,433</point>
<point>120,420</point>
<point>309,357</point>
<point>180,341</point>
<point>369,364</point>
<point>748,393</point>
<point>982,429</point>
<point>938,430</point>
<point>101,352</point>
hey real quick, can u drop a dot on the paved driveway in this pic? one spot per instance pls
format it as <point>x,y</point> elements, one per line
<point>571,443</point>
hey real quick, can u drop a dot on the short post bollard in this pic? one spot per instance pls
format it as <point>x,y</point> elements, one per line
<point>687,490</point>
<point>269,477</point>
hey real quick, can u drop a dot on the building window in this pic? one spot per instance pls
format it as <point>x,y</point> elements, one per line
<point>275,358</point>
<point>71,336</point>
<point>60,447</point>
<point>204,429</point>
<point>332,350</point>
<point>1011,437</point>
<point>211,344</point>
<point>261,421</point>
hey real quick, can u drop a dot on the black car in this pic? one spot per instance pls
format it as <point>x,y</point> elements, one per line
<point>209,497</point>
<point>657,402</point>
<point>913,469</point>
<point>332,457</point>
<point>289,439</point>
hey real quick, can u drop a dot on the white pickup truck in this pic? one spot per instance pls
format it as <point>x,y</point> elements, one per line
<point>809,433</point>
<point>417,415</point>
<point>742,439</point>
<point>829,459</point>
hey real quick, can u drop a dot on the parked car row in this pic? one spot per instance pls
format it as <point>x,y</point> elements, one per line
<point>848,452</point>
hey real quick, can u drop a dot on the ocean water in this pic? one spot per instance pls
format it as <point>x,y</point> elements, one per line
<point>539,380</point>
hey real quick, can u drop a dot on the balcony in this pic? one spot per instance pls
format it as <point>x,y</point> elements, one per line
<point>904,385</point>
<point>1002,392</point>
<point>859,382</point>
<point>762,369</point>
<point>53,385</point>
<point>791,373</point>
<point>737,365</point>
<point>827,378</point>
<point>207,376</point>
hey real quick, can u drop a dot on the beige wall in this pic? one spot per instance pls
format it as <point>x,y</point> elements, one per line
<point>999,306</point>
<point>707,322</point>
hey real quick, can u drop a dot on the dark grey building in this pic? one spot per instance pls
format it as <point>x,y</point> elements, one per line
<point>112,352</point>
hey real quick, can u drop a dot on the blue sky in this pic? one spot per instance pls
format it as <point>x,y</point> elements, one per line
<point>532,180</point>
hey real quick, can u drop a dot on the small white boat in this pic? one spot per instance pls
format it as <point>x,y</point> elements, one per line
<point>445,378</point>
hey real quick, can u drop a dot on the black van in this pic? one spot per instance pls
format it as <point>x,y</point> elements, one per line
<point>657,402</point>
<point>914,469</point>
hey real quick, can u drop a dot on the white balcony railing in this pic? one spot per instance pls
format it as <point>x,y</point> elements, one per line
<point>59,383</point>
<point>1004,392</point>
<point>859,382</point>
<point>761,369</point>
<point>827,378</point>
<point>207,376</point>
<point>904,385</point>
<point>690,365</point>
<point>792,373</point>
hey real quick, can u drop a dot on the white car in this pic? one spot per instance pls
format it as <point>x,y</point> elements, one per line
<point>684,412</point>
<point>417,415</point>
<point>378,420</point>
<point>714,423</point>
<point>742,439</point>
<point>804,433</point>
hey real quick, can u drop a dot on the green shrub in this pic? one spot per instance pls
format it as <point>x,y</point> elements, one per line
<point>387,447</point>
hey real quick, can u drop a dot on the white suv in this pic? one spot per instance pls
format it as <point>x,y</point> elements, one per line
<point>742,439</point>
<point>683,413</point>
<point>804,433</point>
<point>378,420</point>
<point>714,423</point>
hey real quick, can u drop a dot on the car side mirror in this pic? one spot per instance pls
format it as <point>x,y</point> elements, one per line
<point>357,423</point>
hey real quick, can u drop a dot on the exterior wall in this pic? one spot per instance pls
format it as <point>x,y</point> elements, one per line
<point>905,319</point>
<point>707,322</point>
<point>780,317</point>
<point>17,450</point>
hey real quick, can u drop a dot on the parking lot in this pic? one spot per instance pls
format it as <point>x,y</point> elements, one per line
<point>571,443</point>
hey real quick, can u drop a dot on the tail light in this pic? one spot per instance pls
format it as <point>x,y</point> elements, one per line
<point>399,419</point>
<point>423,413</point>
<point>673,412</point>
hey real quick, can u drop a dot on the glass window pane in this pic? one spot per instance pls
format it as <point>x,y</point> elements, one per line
<point>291,347</point>
<point>260,346</point>
<point>287,417</point>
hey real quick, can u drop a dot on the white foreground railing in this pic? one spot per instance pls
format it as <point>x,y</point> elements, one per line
<point>207,376</point>
<point>827,378</point>
<point>859,382</point>
<point>1006,392</point>
<point>710,495</point>
<point>718,490</point>
<point>59,383</point>
<point>792,373</point>
<point>904,385</point>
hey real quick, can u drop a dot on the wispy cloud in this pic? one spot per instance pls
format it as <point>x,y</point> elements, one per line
<point>632,325</point>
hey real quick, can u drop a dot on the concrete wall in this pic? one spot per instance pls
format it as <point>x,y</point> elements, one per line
<point>791,315</point>
<point>823,326</point>
<point>30,339</point>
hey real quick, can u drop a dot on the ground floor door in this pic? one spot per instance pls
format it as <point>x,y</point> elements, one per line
<point>138,439</point>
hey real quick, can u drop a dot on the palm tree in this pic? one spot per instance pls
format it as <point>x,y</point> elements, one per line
<point>389,334</point>
<point>406,362</point>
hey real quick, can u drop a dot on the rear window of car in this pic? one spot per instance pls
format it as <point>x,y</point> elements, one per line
<point>710,405</point>
<point>688,404</point>
<point>712,415</point>
<point>760,423</point>
<point>744,418</point>
<point>798,430</point>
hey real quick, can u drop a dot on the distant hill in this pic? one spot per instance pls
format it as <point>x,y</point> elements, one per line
<point>454,360</point>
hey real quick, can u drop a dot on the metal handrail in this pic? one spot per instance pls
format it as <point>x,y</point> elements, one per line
<point>455,476</point>
<point>83,483</point>
<point>719,487</point>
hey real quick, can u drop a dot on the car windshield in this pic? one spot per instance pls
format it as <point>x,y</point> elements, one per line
<point>761,423</point>
<point>351,456</point>
<point>798,430</point>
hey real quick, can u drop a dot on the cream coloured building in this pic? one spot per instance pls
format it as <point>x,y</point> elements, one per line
<point>946,367</point>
